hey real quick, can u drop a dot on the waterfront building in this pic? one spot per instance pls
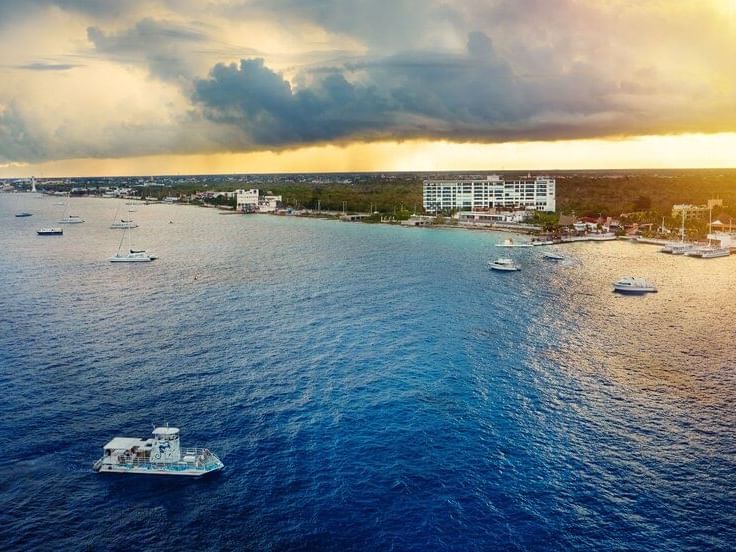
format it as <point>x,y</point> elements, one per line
<point>246,200</point>
<point>252,201</point>
<point>269,203</point>
<point>493,192</point>
<point>693,212</point>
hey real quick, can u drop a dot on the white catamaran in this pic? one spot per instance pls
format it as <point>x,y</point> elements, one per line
<point>132,255</point>
<point>160,455</point>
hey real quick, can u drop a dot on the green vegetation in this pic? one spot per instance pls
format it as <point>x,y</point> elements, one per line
<point>653,192</point>
<point>643,197</point>
<point>398,197</point>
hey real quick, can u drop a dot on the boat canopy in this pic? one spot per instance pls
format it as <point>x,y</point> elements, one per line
<point>124,443</point>
<point>166,431</point>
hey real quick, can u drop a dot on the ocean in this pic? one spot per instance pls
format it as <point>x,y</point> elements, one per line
<point>368,387</point>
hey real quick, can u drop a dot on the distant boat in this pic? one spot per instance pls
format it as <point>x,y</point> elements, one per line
<point>131,255</point>
<point>122,223</point>
<point>669,247</point>
<point>632,284</point>
<point>552,256</point>
<point>510,243</point>
<point>503,265</point>
<point>713,252</point>
<point>23,213</point>
<point>684,248</point>
<point>69,219</point>
<point>607,236</point>
<point>50,231</point>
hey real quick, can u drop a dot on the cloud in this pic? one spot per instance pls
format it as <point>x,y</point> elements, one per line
<point>44,66</point>
<point>162,45</point>
<point>475,95</point>
<point>16,141</point>
<point>158,76</point>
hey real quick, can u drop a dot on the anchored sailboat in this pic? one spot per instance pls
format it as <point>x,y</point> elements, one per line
<point>131,255</point>
<point>67,218</point>
<point>122,223</point>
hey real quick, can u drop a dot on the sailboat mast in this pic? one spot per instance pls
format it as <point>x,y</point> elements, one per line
<point>121,243</point>
<point>682,227</point>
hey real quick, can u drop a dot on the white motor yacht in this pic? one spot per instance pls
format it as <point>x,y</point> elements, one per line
<point>160,455</point>
<point>684,248</point>
<point>715,252</point>
<point>122,224</point>
<point>511,243</point>
<point>503,265</point>
<point>552,256</point>
<point>607,236</point>
<point>632,284</point>
<point>50,231</point>
<point>71,219</point>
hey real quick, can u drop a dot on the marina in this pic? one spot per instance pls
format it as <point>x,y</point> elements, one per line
<point>259,340</point>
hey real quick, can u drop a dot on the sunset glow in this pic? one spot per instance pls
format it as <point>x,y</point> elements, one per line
<point>161,87</point>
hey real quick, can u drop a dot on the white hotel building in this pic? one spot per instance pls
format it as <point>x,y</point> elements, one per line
<point>493,192</point>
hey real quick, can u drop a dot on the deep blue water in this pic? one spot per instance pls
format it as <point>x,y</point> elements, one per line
<point>367,387</point>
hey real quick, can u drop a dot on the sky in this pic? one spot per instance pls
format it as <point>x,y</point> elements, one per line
<point>244,86</point>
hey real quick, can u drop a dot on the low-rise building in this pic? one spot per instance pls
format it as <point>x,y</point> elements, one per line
<point>694,212</point>
<point>252,201</point>
<point>269,203</point>
<point>246,200</point>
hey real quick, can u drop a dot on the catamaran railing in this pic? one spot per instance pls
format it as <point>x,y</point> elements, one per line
<point>205,460</point>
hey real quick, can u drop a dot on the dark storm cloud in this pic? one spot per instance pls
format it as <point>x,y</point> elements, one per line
<point>256,99</point>
<point>474,96</point>
<point>162,45</point>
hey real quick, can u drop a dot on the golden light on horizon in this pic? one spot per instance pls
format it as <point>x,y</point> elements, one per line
<point>671,151</point>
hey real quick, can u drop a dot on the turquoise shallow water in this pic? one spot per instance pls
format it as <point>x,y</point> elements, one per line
<point>367,387</point>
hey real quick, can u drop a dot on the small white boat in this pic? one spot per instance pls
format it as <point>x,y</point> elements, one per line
<point>632,284</point>
<point>50,231</point>
<point>607,236</point>
<point>670,247</point>
<point>715,252</point>
<point>510,243</point>
<point>71,219</point>
<point>552,256</point>
<point>542,242</point>
<point>122,224</point>
<point>503,265</point>
<point>161,455</point>
<point>684,248</point>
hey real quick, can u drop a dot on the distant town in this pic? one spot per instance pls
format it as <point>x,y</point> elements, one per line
<point>664,205</point>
